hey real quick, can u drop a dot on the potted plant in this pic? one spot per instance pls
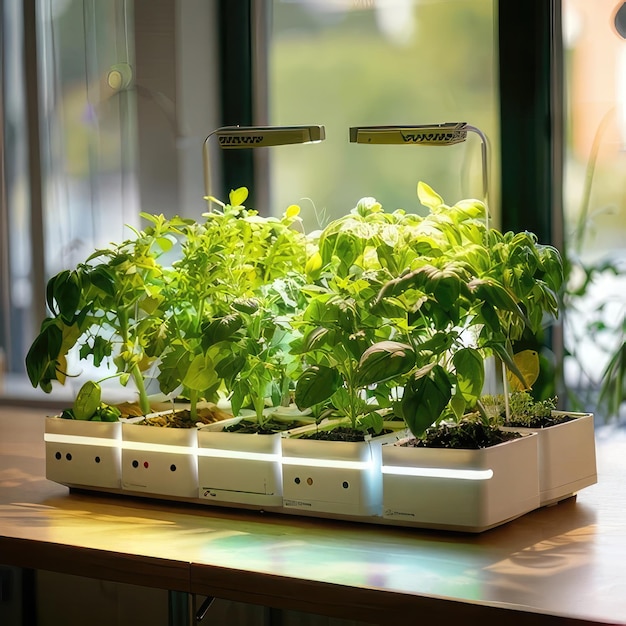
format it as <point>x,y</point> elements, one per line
<point>110,311</point>
<point>237,283</point>
<point>334,467</point>
<point>470,294</point>
<point>83,442</point>
<point>567,456</point>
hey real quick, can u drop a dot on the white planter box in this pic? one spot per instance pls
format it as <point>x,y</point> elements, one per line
<point>160,461</point>
<point>468,490</point>
<point>239,467</point>
<point>567,457</point>
<point>242,468</point>
<point>341,478</point>
<point>83,454</point>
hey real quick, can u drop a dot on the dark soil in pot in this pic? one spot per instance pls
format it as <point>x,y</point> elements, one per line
<point>181,418</point>
<point>341,434</point>
<point>270,427</point>
<point>467,435</point>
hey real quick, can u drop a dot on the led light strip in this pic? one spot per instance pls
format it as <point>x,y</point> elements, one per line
<point>424,472</point>
<point>307,462</point>
<point>435,472</point>
<point>238,454</point>
<point>158,447</point>
<point>84,441</point>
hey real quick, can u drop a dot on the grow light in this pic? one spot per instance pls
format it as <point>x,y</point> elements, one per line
<point>238,137</point>
<point>437,472</point>
<point>311,462</point>
<point>82,440</point>
<point>447,134</point>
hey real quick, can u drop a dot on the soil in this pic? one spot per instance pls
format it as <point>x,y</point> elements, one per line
<point>467,435</point>
<point>339,434</point>
<point>181,418</point>
<point>267,428</point>
<point>538,422</point>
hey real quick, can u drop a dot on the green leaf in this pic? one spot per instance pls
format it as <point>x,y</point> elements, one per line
<point>87,400</point>
<point>103,279</point>
<point>238,196</point>
<point>229,366</point>
<point>316,384</point>
<point>437,344</point>
<point>166,243</point>
<point>424,400</point>
<point>102,348</point>
<point>201,374</point>
<point>428,197</point>
<point>458,405</point>
<point>221,329</point>
<point>246,305</point>
<point>43,354</point>
<point>66,292</point>
<point>489,290</point>
<point>371,421</point>
<point>172,368</point>
<point>383,361</point>
<point>470,373</point>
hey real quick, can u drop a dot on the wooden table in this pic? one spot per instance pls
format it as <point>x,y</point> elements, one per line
<point>560,565</point>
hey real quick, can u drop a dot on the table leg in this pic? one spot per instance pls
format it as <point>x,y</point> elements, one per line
<point>179,609</point>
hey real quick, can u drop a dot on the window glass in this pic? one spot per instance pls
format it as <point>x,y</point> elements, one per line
<point>89,132</point>
<point>16,269</point>
<point>595,200</point>
<point>344,63</point>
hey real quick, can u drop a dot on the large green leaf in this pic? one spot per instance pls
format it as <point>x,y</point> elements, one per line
<point>315,385</point>
<point>383,361</point>
<point>489,290</point>
<point>87,400</point>
<point>470,373</point>
<point>424,400</point>
<point>428,197</point>
<point>103,279</point>
<point>43,354</point>
<point>201,374</point>
<point>221,329</point>
<point>64,291</point>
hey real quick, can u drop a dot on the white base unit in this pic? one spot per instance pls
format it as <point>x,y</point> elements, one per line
<point>467,490</point>
<point>81,453</point>
<point>160,461</point>
<point>370,481</point>
<point>567,457</point>
<point>342,478</point>
<point>239,467</point>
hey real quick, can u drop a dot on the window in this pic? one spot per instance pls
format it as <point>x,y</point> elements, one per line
<point>595,200</point>
<point>346,63</point>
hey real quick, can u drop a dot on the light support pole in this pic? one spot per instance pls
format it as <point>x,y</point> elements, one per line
<point>240,137</point>
<point>447,134</point>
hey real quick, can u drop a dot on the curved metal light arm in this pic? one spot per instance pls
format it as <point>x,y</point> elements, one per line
<point>239,137</point>
<point>447,134</point>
